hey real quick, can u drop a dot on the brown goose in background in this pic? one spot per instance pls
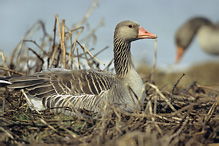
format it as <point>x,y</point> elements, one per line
<point>207,33</point>
<point>90,89</point>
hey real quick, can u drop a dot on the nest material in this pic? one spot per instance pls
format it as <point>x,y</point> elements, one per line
<point>192,120</point>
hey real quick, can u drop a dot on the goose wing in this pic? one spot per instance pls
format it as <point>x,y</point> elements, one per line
<point>76,83</point>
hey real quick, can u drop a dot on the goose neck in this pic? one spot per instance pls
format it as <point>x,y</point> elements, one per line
<point>122,57</point>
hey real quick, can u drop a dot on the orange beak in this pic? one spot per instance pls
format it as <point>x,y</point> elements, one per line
<point>179,53</point>
<point>144,34</point>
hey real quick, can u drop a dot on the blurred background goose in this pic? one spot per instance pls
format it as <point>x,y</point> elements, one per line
<point>71,91</point>
<point>207,33</point>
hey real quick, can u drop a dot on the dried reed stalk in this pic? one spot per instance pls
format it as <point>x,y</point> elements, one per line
<point>63,43</point>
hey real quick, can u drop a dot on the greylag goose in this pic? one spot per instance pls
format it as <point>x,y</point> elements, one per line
<point>207,33</point>
<point>70,91</point>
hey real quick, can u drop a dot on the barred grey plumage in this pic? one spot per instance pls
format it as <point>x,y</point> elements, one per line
<point>70,91</point>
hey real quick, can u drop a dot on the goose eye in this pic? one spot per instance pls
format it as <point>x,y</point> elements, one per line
<point>130,26</point>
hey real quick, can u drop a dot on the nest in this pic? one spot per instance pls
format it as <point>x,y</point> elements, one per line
<point>185,118</point>
<point>180,116</point>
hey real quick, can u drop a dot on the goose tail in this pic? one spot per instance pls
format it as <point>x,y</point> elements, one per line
<point>4,82</point>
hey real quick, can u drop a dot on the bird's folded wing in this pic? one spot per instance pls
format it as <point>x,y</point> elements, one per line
<point>77,82</point>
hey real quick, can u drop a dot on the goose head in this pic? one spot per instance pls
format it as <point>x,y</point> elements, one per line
<point>126,32</point>
<point>129,31</point>
<point>185,34</point>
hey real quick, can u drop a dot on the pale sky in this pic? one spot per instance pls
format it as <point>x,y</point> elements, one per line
<point>158,16</point>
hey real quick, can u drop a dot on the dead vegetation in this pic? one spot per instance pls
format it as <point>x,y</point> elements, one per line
<point>176,112</point>
<point>188,117</point>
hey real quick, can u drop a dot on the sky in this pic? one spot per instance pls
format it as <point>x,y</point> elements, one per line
<point>158,16</point>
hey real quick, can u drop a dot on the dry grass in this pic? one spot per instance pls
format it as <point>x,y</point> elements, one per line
<point>177,111</point>
<point>192,120</point>
<point>205,74</point>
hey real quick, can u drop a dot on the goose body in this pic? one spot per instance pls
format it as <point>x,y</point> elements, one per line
<point>70,91</point>
<point>208,39</point>
<point>207,34</point>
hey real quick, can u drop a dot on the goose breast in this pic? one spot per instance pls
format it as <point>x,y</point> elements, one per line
<point>208,39</point>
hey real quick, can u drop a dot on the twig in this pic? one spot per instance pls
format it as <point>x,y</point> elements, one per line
<point>60,34</point>
<point>31,29</point>
<point>44,122</point>
<point>90,65</point>
<point>8,134</point>
<point>5,63</point>
<point>13,71</point>
<point>29,102</point>
<point>53,45</point>
<point>34,42</point>
<point>180,129</point>
<point>28,33</point>
<point>155,60</point>
<point>134,96</point>
<point>180,110</point>
<point>165,99</point>
<point>101,51</point>
<point>58,56</point>
<point>109,64</point>
<point>92,33</point>
<point>70,31</point>
<point>208,87</point>
<point>79,67</point>
<point>74,44</point>
<point>83,47</point>
<point>38,56</point>
<point>71,133</point>
<point>177,83</point>
<point>88,13</point>
<point>210,112</point>
<point>63,43</point>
